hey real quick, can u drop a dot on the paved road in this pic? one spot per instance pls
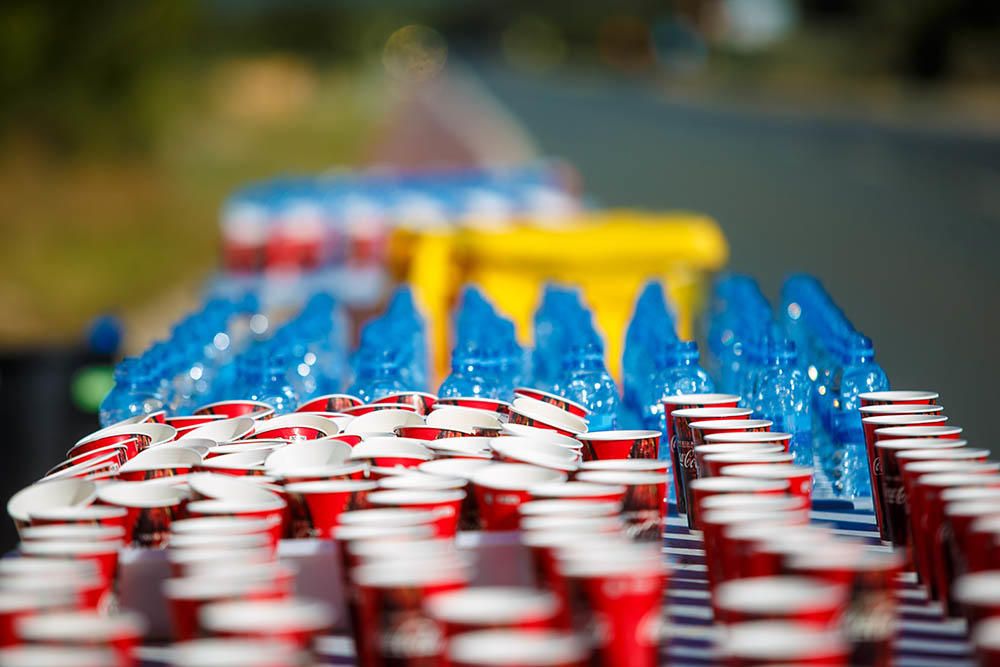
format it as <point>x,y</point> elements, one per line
<point>902,225</point>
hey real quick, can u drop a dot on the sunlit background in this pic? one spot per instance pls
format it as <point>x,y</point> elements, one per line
<point>857,139</point>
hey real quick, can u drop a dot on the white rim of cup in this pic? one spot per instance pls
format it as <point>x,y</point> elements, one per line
<point>491,605</point>
<point>50,494</point>
<point>224,431</point>
<point>422,481</point>
<point>541,648</point>
<point>568,508</point>
<point>56,656</point>
<point>542,454</point>
<point>220,525</point>
<point>81,627</point>
<point>458,418</point>
<point>141,495</point>
<point>739,448</point>
<point>67,547</point>
<point>899,395</point>
<point>327,427</point>
<point>464,468</point>
<point>232,651</point>
<point>404,497</point>
<point>621,478</point>
<point>986,635</point>
<point>298,455</point>
<point>904,420</point>
<point>383,421</point>
<point>767,470</point>
<point>79,513</point>
<point>327,486</point>
<point>388,517</point>
<point>780,594</point>
<point>627,465</point>
<point>549,414</point>
<point>73,531</point>
<point>754,502</point>
<point>978,588</point>
<point>221,486</point>
<point>220,541</point>
<point>514,476</point>
<point>267,616</point>
<point>748,437</point>
<point>582,489</point>
<point>539,528</point>
<point>779,641</point>
<point>712,424</point>
<point>706,399</point>
<point>738,484</point>
<point>917,431</point>
<point>626,434</point>
<point>758,457</point>
<point>400,448</point>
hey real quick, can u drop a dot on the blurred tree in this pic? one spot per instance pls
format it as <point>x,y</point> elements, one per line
<point>74,74</point>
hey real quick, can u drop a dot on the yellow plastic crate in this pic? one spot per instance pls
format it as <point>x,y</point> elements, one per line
<point>608,255</point>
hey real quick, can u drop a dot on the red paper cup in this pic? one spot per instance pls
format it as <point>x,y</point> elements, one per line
<point>66,583</point>
<point>681,444</point>
<point>801,600</point>
<point>898,398</point>
<point>455,467</point>
<point>799,478</point>
<point>296,426</point>
<point>392,452</point>
<point>295,622</point>
<point>16,606</point>
<point>871,424</point>
<point>546,416</point>
<point>224,431</point>
<point>493,405</point>
<point>703,429</point>
<point>492,608</point>
<point>900,432</point>
<point>365,410</point>
<point>501,487</point>
<point>523,648</point>
<point>151,508</point>
<point>393,627</point>
<point>704,488</point>
<point>103,555</point>
<point>548,535</point>
<point>421,400</point>
<point>959,515</point>
<point>231,409</point>
<point>618,599</point>
<point>187,422</point>
<point>187,596</point>
<point>532,452</point>
<point>721,564</point>
<point>316,506</point>
<point>750,437</point>
<point>930,487</point>
<point>43,496</point>
<point>85,515</point>
<point>986,639</point>
<point>620,445</point>
<point>758,550</point>
<point>871,578</point>
<point>445,504</point>
<point>331,403</point>
<point>428,433</point>
<point>984,538</point>
<point>914,511</point>
<point>568,508</point>
<point>714,463</point>
<point>73,533</point>
<point>121,632</point>
<point>688,401</point>
<point>762,643</point>
<point>644,506</point>
<point>978,593</point>
<point>272,510</point>
<point>579,491</point>
<point>628,465</point>
<point>560,402</point>
<point>701,451</point>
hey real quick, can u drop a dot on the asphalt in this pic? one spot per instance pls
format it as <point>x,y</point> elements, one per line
<point>901,223</point>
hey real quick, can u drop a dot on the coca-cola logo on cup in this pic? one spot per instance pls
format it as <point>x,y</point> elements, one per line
<point>413,636</point>
<point>877,466</point>
<point>896,496</point>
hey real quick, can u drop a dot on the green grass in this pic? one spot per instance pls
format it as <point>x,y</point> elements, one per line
<point>137,234</point>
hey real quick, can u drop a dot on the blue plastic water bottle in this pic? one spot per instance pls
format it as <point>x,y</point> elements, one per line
<point>589,383</point>
<point>859,373</point>
<point>681,374</point>
<point>782,395</point>
<point>133,393</point>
